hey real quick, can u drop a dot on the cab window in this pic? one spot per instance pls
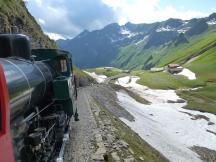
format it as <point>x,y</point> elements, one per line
<point>63,65</point>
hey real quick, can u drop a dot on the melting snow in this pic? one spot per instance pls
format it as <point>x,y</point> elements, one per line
<point>116,40</point>
<point>166,28</point>
<point>212,22</point>
<point>144,39</point>
<point>183,30</point>
<point>125,32</point>
<point>98,78</point>
<point>128,33</point>
<point>186,22</point>
<point>167,126</point>
<point>161,96</point>
<point>189,74</point>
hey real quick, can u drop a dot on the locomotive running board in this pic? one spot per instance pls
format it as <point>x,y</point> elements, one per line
<point>60,157</point>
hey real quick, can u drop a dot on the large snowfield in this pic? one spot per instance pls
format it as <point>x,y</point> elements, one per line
<point>165,125</point>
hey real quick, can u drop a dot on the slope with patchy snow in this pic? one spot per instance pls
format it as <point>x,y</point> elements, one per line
<point>165,125</point>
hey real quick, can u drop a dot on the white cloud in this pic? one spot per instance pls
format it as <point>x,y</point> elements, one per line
<point>145,11</point>
<point>70,17</point>
<point>170,11</point>
<point>41,21</point>
<point>54,36</point>
<point>135,11</point>
<point>182,7</point>
<point>213,9</point>
<point>39,3</point>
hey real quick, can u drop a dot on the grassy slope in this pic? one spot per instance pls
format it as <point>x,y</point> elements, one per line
<point>204,66</point>
<point>203,99</point>
<point>135,57</point>
<point>104,71</point>
<point>197,46</point>
<point>14,13</point>
<point>163,80</point>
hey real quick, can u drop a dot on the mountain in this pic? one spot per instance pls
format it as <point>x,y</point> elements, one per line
<point>135,46</point>
<point>15,16</point>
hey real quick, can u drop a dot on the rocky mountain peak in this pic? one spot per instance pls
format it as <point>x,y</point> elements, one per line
<point>173,23</point>
<point>212,16</point>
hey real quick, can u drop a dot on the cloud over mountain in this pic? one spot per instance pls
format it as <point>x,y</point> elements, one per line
<point>67,18</point>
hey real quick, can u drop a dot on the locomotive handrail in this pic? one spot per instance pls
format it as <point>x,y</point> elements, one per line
<point>42,110</point>
<point>20,59</point>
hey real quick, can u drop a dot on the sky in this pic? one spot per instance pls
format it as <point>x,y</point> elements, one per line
<point>63,19</point>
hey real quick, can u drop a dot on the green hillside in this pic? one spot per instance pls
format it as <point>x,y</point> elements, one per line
<point>196,46</point>
<point>199,55</point>
<point>106,71</point>
<point>136,57</point>
<point>201,51</point>
<point>13,13</point>
<point>205,65</point>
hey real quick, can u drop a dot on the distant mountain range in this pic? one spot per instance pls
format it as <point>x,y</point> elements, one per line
<point>136,46</point>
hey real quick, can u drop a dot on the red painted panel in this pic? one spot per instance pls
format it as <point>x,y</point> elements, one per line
<point>6,148</point>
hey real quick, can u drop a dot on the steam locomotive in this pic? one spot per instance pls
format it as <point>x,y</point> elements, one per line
<point>37,100</point>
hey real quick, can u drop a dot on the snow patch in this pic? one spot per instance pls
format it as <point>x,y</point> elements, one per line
<point>154,96</point>
<point>98,78</point>
<point>183,30</point>
<point>167,126</point>
<point>166,28</point>
<point>186,22</point>
<point>189,74</point>
<point>128,33</point>
<point>144,39</point>
<point>116,40</point>
<point>211,22</point>
<point>125,32</point>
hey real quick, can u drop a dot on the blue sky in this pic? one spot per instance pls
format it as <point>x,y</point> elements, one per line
<point>67,18</point>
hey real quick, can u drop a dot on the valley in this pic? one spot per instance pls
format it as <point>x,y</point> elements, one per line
<point>146,90</point>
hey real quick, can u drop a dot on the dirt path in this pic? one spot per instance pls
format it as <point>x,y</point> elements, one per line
<point>81,146</point>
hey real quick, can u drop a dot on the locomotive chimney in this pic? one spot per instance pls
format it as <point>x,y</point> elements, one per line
<point>15,45</point>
